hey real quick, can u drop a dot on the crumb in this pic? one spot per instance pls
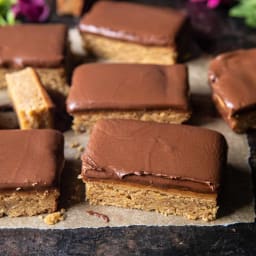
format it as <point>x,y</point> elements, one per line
<point>80,149</point>
<point>19,188</point>
<point>74,144</point>
<point>62,210</point>
<point>53,218</point>
<point>79,177</point>
<point>34,184</point>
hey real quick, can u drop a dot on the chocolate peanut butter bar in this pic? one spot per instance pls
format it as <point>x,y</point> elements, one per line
<point>70,7</point>
<point>128,91</point>
<point>129,32</point>
<point>31,165</point>
<point>233,81</point>
<point>33,106</point>
<point>39,46</point>
<point>168,168</point>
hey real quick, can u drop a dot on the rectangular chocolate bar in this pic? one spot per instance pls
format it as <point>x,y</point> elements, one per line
<point>128,91</point>
<point>39,46</point>
<point>130,32</point>
<point>31,165</point>
<point>233,81</point>
<point>172,169</point>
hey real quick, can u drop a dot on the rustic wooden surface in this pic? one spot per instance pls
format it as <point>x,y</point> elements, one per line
<point>188,240</point>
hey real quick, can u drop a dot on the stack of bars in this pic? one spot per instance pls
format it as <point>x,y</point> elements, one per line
<point>139,154</point>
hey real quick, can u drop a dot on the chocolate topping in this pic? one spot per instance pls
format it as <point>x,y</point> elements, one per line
<point>133,22</point>
<point>32,45</point>
<point>30,159</point>
<point>128,86</point>
<point>162,155</point>
<point>233,80</point>
<point>99,215</point>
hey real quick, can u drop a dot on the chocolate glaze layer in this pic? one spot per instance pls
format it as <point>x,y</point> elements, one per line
<point>232,77</point>
<point>129,87</point>
<point>30,159</point>
<point>32,45</point>
<point>162,155</point>
<point>142,24</point>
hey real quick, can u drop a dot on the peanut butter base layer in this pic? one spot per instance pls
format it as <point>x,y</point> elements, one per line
<point>239,123</point>
<point>84,121</point>
<point>28,203</point>
<point>53,79</point>
<point>188,204</point>
<point>121,51</point>
<point>32,104</point>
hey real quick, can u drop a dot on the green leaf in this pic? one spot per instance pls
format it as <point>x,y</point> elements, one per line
<point>5,6</point>
<point>2,21</point>
<point>10,18</point>
<point>251,20</point>
<point>3,2</point>
<point>6,14</point>
<point>238,11</point>
<point>245,9</point>
<point>6,3</point>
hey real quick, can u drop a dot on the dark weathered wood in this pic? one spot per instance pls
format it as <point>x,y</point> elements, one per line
<point>237,239</point>
<point>251,136</point>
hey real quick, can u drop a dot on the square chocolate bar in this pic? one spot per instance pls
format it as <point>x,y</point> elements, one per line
<point>31,165</point>
<point>168,168</point>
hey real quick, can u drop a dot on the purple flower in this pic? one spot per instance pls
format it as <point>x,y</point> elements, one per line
<point>31,10</point>
<point>213,3</point>
<point>210,3</point>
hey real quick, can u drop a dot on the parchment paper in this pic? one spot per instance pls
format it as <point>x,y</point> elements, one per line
<point>236,200</point>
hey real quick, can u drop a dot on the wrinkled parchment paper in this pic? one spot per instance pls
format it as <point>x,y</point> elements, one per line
<point>236,200</point>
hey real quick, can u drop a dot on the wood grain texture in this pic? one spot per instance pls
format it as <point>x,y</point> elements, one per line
<point>236,239</point>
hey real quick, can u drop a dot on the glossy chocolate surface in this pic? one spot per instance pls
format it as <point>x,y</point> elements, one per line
<point>128,87</point>
<point>30,159</point>
<point>32,45</point>
<point>232,77</point>
<point>162,155</point>
<point>137,23</point>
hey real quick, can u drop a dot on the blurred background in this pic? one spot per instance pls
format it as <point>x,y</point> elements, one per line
<point>218,25</point>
